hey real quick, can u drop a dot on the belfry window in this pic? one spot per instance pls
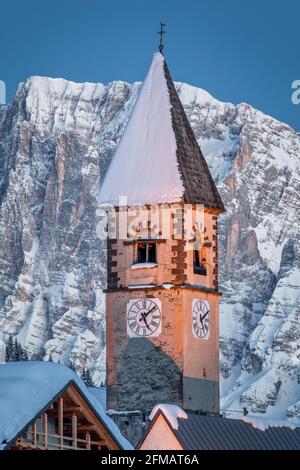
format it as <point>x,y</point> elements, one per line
<point>200,262</point>
<point>146,252</point>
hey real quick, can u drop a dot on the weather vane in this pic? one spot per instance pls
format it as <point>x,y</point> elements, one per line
<point>161,32</point>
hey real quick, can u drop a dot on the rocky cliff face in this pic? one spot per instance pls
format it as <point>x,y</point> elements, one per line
<point>56,141</point>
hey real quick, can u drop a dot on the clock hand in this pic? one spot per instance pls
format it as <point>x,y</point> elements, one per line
<point>202,317</point>
<point>150,311</point>
<point>144,320</point>
<point>145,315</point>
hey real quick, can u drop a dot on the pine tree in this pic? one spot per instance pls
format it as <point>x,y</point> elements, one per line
<point>9,351</point>
<point>87,378</point>
<point>16,351</point>
<point>20,351</point>
<point>50,358</point>
<point>83,375</point>
<point>24,354</point>
<point>71,366</point>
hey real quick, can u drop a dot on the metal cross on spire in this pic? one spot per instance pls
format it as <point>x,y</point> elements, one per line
<point>161,32</point>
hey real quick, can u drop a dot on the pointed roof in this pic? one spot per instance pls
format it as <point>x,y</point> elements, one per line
<point>158,159</point>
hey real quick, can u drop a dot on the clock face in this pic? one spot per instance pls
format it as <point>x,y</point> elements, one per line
<point>143,317</point>
<point>200,318</point>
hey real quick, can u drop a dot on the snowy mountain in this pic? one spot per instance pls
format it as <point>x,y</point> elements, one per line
<point>56,141</point>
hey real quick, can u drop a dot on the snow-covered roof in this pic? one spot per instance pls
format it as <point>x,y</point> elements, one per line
<point>26,388</point>
<point>99,394</point>
<point>171,412</point>
<point>158,159</point>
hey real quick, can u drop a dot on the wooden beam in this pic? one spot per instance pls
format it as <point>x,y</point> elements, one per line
<point>69,414</point>
<point>74,430</point>
<point>33,435</point>
<point>45,429</point>
<point>61,422</point>
<point>100,442</point>
<point>87,427</point>
<point>88,441</point>
<point>72,409</point>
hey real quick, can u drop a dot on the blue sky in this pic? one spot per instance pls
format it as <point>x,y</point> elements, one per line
<point>238,50</point>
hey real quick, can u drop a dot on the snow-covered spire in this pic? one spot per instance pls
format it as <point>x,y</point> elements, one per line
<point>158,159</point>
<point>144,167</point>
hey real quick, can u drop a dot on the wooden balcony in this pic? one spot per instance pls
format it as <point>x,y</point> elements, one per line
<point>68,424</point>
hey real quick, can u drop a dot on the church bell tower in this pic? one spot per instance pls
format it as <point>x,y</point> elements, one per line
<point>162,302</point>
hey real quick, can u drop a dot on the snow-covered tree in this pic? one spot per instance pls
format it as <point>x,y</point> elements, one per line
<point>15,351</point>
<point>18,352</point>
<point>71,366</point>
<point>9,351</point>
<point>87,378</point>
<point>24,354</point>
